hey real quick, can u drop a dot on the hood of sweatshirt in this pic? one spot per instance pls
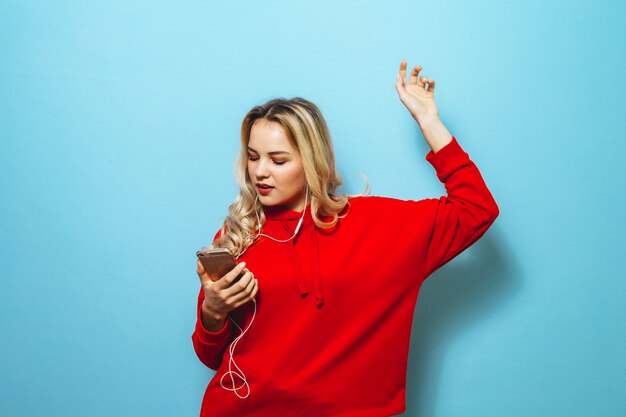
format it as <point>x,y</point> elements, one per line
<point>281,224</point>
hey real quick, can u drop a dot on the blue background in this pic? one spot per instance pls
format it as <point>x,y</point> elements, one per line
<point>119,128</point>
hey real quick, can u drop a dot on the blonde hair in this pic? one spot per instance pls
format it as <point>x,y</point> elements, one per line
<point>306,129</point>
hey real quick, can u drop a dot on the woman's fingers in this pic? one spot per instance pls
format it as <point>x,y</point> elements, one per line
<point>240,285</point>
<point>226,280</point>
<point>202,274</point>
<point>403,73</point>
<point>431,85</point>
<point>415,78</point>
<point>200,269</point>
<point>421,83</point>
<point>223,295</point>
<point>415,74</point>
<point>399,86</point>
<point>246,295</point>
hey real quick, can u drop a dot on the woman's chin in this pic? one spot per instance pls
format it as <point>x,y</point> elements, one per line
<point>267,200</point>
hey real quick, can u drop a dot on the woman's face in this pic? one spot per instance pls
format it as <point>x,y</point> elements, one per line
<point>274,161</point>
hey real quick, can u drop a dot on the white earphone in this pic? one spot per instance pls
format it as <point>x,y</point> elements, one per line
<point>231,348</point>
<point>306,199</point>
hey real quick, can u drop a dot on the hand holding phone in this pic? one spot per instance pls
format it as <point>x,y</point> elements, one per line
<point>219,272</point>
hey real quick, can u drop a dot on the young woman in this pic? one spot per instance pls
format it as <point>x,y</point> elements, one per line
<point>333,278</point>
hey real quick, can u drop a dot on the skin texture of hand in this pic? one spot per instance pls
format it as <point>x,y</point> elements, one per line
<point>220,297</point>
<point>419,98</point>
<point>418,95</point>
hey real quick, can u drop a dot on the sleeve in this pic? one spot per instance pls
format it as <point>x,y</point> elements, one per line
<point>454,222</point>
<point>210,346</point>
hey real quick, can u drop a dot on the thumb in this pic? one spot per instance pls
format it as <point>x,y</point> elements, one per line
<point>400,89</point>
<point>398,83</point>
<point>200,270</point>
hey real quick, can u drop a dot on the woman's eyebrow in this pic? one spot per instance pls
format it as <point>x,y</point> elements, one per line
<point>270,153</point>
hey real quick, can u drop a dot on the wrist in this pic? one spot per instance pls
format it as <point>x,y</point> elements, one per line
<point>212,314</point>
<point>426,121</point>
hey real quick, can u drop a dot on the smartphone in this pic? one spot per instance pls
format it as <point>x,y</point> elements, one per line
<point>217,262</point>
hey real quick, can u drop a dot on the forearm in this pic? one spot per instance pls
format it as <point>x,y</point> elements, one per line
<point>211,321</point>
<point>435,133</point>
<point>455,221</point>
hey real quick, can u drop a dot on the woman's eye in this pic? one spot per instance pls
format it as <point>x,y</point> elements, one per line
<point>254,158</point>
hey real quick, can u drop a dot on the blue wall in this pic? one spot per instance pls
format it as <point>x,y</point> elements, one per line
<point>119,126</point>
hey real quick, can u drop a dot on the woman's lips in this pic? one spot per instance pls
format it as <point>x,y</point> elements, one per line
<point>264,191</point>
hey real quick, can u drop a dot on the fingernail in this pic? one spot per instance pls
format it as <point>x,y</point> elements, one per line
<point>242,264</point>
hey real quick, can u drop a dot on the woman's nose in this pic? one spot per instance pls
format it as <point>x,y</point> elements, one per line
<point>261,169</point>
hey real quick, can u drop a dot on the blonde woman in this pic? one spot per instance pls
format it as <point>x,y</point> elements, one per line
<point>319,322</point>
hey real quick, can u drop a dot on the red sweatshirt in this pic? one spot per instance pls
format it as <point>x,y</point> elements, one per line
<point>335,307</point>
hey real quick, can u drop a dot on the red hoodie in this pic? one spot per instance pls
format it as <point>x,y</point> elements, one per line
<point>334,308</point>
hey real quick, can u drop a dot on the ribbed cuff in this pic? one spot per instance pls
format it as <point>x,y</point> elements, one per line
<point>448,159</point>
<point>212,338</point>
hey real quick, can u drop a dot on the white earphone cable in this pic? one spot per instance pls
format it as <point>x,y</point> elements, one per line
<point>233,344</point>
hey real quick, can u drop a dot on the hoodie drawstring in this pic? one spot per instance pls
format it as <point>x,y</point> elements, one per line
<point>297,267</point>
<point>319,290</point>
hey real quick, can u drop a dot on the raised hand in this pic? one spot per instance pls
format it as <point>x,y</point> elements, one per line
<point>418,95</point>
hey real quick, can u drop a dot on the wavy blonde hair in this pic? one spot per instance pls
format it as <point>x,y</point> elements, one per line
<point>306,129</point>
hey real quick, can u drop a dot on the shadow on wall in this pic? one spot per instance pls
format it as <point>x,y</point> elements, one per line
<point>467,289</point>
